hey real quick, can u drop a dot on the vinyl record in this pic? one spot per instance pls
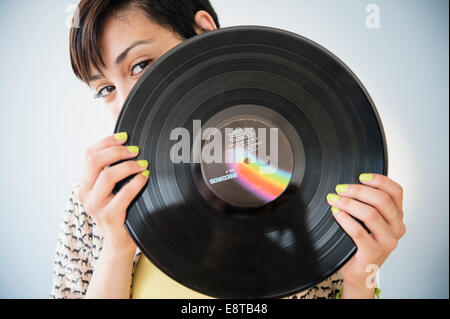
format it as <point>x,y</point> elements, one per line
<point>226,229</point>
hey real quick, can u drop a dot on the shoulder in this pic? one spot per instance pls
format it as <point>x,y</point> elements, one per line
<point>327,289</point>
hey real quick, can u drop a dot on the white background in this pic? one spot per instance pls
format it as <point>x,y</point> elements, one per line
<point>48,118</point>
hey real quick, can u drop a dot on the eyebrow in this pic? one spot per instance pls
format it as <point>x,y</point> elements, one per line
<point>93,78</point>
<point>122,56</point>
<point>125,52</point>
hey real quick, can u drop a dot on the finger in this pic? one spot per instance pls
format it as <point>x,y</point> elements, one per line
<point>357,233</point>
<point>365,213</point>
<point>385,184</point>
<point>128,192</point>
<point>387,240</point>
<point>96,162</point>
<point>379,199</point>
<point>86,182</point>
<point>114,174</point>
<point>108,141</point>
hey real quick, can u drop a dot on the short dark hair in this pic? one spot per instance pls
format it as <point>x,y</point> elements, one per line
<point>176,15</point>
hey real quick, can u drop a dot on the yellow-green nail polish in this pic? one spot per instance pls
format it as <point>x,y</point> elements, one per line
<point>365,177</point>
<point>146,173</point>
<point>341,188</point>
<point>121,136</point>
<point>334,210</point>
<point>133,149</point>
<point>143,163</point>
<point>333,197</point>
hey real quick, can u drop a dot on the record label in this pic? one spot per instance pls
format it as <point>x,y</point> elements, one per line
<point>255,161</point>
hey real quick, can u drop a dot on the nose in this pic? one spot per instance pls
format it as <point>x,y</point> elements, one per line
<point>123,89</point>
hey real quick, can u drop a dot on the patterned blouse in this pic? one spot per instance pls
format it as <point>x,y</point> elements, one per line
<point>79,245</point>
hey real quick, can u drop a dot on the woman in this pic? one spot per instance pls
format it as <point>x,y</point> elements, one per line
<point>115,42</point>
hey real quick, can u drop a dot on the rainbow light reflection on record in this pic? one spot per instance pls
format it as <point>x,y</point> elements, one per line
<point>267,186</point>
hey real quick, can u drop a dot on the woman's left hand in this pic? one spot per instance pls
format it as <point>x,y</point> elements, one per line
<point>378,204</point>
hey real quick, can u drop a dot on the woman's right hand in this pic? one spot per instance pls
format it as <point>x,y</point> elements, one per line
<point>98,181</point>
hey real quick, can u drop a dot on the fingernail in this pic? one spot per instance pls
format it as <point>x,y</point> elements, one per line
<point>341,188</point>
<point>365,177</point>
<point>121,136</point>
<point>146,173</point>
<point>143,163</point>
<point>334,210</point>
<point>332,197</point>
<point>133,149</point>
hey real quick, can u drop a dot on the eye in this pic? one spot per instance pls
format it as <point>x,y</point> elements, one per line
<point>105,91</point>
<point>139,67</point>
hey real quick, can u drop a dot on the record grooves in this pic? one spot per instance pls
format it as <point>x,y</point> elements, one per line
<point>226,230</point>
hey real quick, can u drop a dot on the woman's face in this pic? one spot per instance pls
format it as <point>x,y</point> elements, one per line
<point>130,42</point>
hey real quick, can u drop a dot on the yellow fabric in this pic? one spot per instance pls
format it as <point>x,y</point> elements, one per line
<point>151,283</point>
